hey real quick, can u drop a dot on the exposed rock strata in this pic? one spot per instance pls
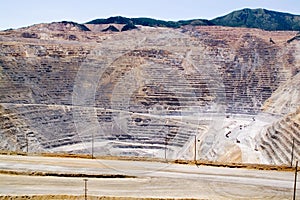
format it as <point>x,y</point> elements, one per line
<point>144,92</point>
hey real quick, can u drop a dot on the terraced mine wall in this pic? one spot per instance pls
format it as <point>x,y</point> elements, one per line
<point>149,92</point>
<point>280,140</point>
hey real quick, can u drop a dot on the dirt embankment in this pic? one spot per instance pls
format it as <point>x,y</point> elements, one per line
<point>69,197</point>
<point>184,162</point>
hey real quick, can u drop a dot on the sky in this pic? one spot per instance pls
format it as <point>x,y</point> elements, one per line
<point>21,13</point>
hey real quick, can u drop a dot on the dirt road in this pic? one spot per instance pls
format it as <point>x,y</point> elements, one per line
<point>151,179</point>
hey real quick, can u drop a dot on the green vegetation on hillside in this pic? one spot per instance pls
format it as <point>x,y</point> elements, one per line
<point>249,18</point>
<point>148,22</point>
<point>260,18</point>
<point>128,27</point>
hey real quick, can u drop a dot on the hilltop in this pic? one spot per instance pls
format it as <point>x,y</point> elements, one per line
<point>260,18</point>
<point>249,18</point>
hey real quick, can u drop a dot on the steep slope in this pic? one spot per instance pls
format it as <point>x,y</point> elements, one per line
<point>15,134</point>
<point>260,18</point>
<point>286,99</point>
<point>146,92</point>
<point>276,140</point>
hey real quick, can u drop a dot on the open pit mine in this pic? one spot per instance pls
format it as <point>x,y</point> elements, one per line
<point>196,92</point>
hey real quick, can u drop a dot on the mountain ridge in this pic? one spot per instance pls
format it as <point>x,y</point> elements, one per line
<point>260,18</point>
<point>245,18</point>
<point>249,18</point>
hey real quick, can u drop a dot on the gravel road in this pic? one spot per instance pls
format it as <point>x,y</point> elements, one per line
<point>150,179</point>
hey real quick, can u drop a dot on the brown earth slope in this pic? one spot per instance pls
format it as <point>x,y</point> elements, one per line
<point>146,92</point>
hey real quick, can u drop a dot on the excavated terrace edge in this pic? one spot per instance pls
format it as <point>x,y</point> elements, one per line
<point>184,162</point>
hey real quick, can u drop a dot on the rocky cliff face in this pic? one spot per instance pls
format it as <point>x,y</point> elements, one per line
<point>147,92</point>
